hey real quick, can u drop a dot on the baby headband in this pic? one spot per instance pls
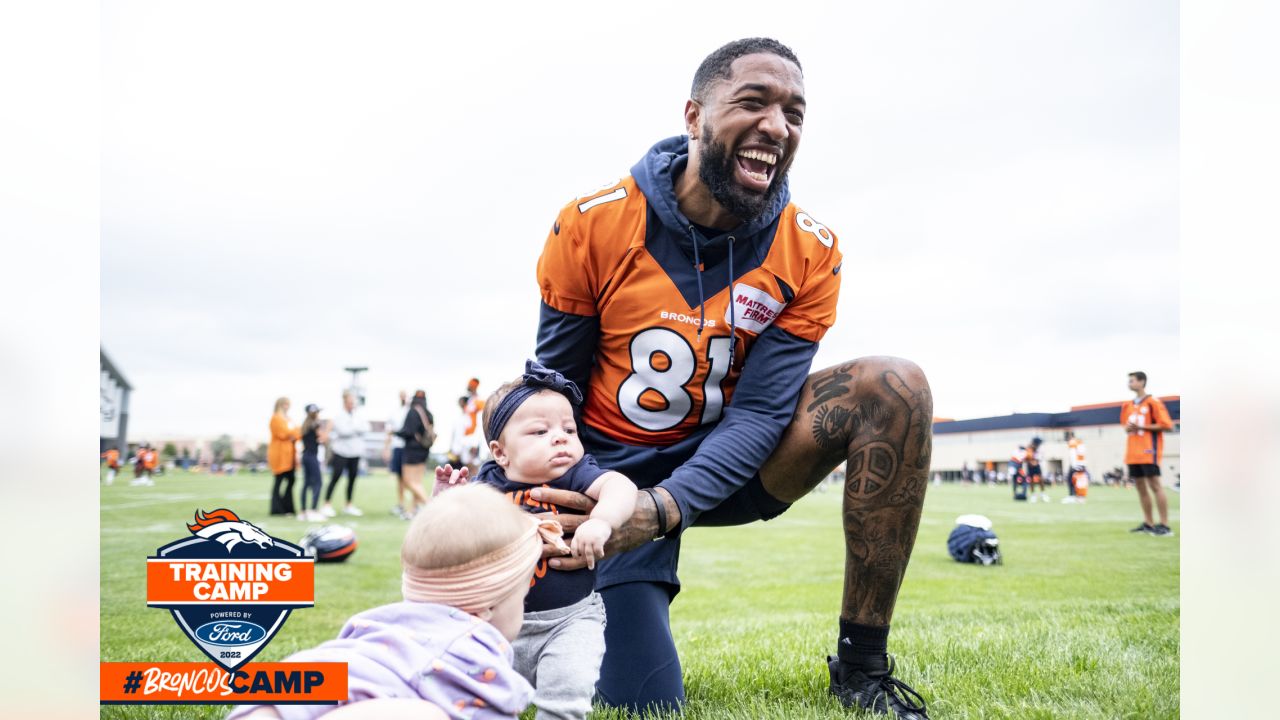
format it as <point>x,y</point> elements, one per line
<point>474,586</point>
<point>536,378</point>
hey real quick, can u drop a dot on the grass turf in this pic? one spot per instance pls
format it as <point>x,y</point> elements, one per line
<point>1080,622</point>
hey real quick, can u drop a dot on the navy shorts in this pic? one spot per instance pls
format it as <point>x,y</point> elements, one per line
<point>747,505</point>
<point>1144,470</point>
<point>397,460</point>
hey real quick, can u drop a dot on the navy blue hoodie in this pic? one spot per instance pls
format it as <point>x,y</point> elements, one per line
<point>714,462</point>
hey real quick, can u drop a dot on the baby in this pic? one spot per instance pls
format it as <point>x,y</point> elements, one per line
<point>443,652</point>
<point>530,426</point>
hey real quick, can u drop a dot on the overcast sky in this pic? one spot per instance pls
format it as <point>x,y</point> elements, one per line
<point>289,188</point>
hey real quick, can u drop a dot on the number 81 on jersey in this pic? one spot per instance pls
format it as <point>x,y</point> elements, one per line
<point>670,383</point>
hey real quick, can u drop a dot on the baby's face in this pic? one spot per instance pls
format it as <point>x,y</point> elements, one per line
<point>540,442</point>
<point>508,615</point>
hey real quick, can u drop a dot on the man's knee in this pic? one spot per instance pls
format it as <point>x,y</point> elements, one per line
<point>659,689</point>
<point>841,409</point>
<point>896,380</point>
<point>641,669</point>
<point>885,363</point>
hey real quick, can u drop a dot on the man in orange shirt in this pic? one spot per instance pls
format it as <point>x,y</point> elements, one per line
<point>112,456</point>
<point>144,466</point>
<point>472,438</point>
<point>1146,420</point>
<point>687,301</point>
<point>1078,480</point>
<point>1032,473</point>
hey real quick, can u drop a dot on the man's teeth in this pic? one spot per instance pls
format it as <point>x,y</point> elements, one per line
<point>757,176</point>
<point>764,157</point>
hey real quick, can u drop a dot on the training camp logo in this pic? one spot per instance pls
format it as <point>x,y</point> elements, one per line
<point>229,585</point>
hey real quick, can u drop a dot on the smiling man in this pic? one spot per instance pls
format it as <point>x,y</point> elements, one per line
<point>688,300</point>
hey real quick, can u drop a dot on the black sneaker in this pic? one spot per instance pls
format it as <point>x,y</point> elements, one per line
<point>875,690</point>
<point>1162,531</point>
<point>1144,528</point>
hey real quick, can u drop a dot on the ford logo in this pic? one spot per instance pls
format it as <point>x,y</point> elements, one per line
<point>225,632</point>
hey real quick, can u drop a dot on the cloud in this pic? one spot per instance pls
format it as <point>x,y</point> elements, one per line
<point>320,187</point>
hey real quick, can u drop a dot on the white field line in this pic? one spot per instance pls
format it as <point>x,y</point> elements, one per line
<point>172,498</point>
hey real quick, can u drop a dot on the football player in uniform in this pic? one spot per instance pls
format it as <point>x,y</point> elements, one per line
<point>1078,480</point>
<point>1017,473</point>
<point>1034,475</point>
<point>1146,419</point>
<point>112,456</point>
<point>143,466</point>
<point>688,300</point>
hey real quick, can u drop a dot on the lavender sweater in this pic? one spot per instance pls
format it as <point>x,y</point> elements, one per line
<point>420,650</point>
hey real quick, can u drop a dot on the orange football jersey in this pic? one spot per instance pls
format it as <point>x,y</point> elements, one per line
<point>1031,456</point>
<point>655,378</point>
<point>474,407</point>
<point>1146,446</point>
<point>1075,449</point>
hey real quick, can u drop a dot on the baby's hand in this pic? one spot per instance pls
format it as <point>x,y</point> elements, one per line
<point>447,477</point>
<point>589,540</point>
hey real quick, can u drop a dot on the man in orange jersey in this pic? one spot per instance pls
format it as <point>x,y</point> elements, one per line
<point>143,466</point>
<point>1018,473</point>
<point>1033,474</point>
<point>472,436</point>
<point>112,456</point>
<point>1146,420</point>
<point>687,300</point>
<point>1078,473</point>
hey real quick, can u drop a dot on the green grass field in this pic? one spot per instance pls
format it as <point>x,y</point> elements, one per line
<point>1080,622</point>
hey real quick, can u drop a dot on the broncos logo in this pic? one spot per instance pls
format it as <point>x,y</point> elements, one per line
<point>227,528</point>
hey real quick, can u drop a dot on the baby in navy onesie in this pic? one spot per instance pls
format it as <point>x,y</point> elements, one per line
<point>532,433</point>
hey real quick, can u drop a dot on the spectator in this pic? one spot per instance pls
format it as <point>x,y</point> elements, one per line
<point>1146,420</point>
<point>347,443</point>
<point>464,448</point>
<point>281,456</point>
<point>314,434</point>
<point>393,452</point>
<point>419,426</point>
<point>472,441</point>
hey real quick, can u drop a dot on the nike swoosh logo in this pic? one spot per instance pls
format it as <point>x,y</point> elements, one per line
<point>556,227</point>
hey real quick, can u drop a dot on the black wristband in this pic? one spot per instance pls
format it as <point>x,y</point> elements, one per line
<point>662,512</point>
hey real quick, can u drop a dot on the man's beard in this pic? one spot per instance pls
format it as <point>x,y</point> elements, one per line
<point>716,168</point>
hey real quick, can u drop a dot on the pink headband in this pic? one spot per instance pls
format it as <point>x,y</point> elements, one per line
<point>477,585</point>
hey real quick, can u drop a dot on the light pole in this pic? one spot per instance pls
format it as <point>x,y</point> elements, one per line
<point>355,383</point>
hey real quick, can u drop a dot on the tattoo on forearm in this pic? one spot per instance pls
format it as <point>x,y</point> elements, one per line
<point>636,531</point>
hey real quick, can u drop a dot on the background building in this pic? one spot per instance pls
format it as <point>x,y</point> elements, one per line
<point>987,443</point>
<point>113,406</point>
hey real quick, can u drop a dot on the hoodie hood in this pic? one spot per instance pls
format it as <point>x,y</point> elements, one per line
<point>656,173</point>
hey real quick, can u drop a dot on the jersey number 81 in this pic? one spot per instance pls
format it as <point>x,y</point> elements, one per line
<point>662,364</point>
